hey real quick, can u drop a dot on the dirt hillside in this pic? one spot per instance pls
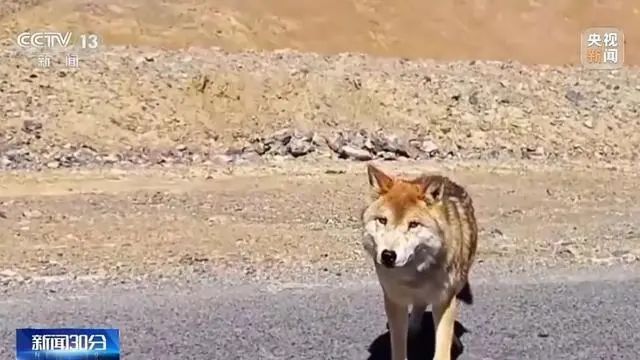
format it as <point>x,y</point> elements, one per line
<point>542,31</point>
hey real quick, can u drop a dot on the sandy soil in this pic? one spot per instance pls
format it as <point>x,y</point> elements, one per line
<point>119,223</point>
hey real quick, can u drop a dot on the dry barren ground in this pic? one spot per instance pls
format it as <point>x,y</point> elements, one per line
<point>123,224</point>
<point>152,158</point>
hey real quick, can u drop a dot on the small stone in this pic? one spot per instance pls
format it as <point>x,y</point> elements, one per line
<point>629,258</point>
<point>279,150</point>
<point>619,253</point>
<point>317,140</point>
<point>355,153</point>
<point>279,158</point>
<point>496,231</point>
<point>574,96</point>
<point>371,146</point>
<point>31,126</point>
<point>251,157</point>
<point>222,159</point>
<point>358,139</point>
<point>396,144</point>
<point>533,152</point>
<point>53,164</point>
<point>8,273</point>
<point>260,148</point>
<point>84,155</point>
<point>282,136</point>
<point>300,147</point>
<point>111,159</point>
<point>336,142</point>
<point>387,155</point>
<point>473,98</point>
<point>234,151</point>
<point>181,147</point>
<point>588,124</point>
<point>429,147</point>
<point>32,214</point>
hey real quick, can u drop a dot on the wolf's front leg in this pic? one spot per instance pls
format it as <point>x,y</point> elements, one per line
<point>398,323</point>
<point>415,320</point>
<point>444,317</point>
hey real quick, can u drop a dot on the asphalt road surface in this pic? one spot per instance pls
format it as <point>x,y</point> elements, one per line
<point>589,314</point>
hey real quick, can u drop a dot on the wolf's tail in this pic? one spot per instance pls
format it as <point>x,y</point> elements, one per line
<point>465,295</point>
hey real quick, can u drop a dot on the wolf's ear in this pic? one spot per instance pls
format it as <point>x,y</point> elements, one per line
<point>380,181</point>
<point>432,187</point>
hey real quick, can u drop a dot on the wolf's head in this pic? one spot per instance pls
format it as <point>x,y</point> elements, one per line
<point>403,224</point>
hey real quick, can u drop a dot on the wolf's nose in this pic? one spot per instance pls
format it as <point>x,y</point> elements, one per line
<point>388,258</point>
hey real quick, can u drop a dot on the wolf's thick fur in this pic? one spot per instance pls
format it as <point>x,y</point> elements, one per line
<point>422,236</point>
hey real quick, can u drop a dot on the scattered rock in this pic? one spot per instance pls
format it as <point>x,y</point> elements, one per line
<point>336,142</point>
<point>31,126</point>
<point>359,145</point>
<point>574,97</point>
<point>630,258</point>
<point>430,148</point>
<point>222,159</point>
<point>111,159</point>
<point>620,253</point>
<point>234,150</point>
<point>8,273</point>
<point>393,144</point>
<point>533,152</point>
<point>318,140</point>
<point>32,214</point>
<point>473,98</point>
<point>300,146</point>
<point>521,106</point>
<point>282,136</point>
<point>387,155</point>
<point>350,152</point>
<point>53,164</point>
<point>5,162</point>
<point>259,147</point>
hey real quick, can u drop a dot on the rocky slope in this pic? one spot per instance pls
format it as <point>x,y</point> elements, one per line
<point>147,106</point>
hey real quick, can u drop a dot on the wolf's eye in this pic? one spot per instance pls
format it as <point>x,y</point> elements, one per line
<point>382,220</point>
<point>413,224</point>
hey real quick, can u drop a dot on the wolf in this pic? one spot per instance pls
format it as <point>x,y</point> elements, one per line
<point>421,234</point>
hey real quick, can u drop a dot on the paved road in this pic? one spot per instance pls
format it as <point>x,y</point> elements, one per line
<point>588,315</point>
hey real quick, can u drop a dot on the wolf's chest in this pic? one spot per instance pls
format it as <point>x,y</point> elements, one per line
<point>411,287</point>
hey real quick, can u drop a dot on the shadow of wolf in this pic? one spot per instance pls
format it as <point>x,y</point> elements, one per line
<point>421,345</point>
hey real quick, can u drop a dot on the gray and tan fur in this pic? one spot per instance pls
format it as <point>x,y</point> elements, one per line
<point>422,236</point>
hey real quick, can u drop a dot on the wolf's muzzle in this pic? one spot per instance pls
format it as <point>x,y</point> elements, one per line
<point>388,258</point>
